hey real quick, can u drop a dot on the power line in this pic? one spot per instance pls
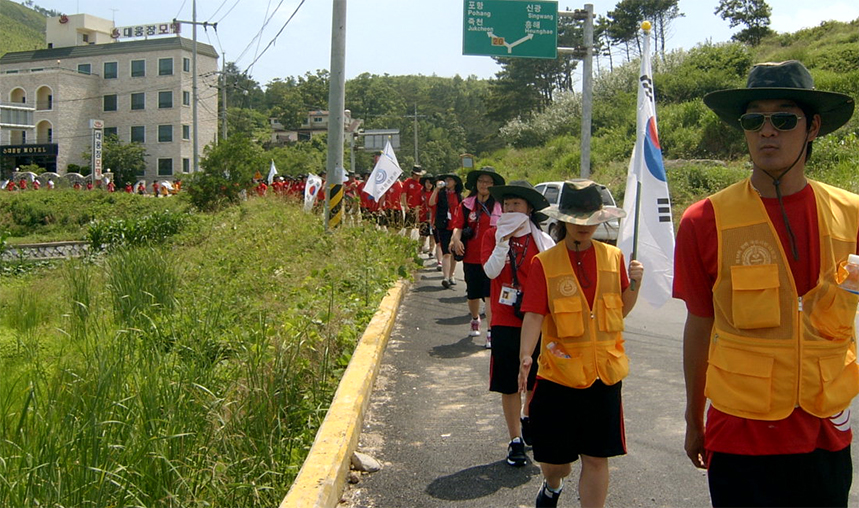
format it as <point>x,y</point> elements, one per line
<point>276,36</point>
<point>229,11</point>
<point>259,34</point>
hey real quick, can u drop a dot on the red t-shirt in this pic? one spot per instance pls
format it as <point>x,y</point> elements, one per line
<point>481,222</point>
<point>427,211</point>
<point>695,271</point>
<point>413,190</point>
<point>392,196</point>
<point>524,249</point>
<point>537,295</point>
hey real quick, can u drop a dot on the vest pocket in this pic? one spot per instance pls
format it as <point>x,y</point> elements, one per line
<point>739,379</point>
<point>611,313</point>
<point>832,313</point>
<point>838,384</point>
<point>616,365</point>
<point>567,313</point>
<point>755,301</point>
<point>571,370</point>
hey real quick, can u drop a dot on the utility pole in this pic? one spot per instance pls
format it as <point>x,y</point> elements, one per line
<point>586,54</point>
<point>336,118</point>
<point>224,98</point>
<point>415,116</point>
<point>195,127</point>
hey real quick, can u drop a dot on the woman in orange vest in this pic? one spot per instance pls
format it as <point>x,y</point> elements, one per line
<point>577,295</point>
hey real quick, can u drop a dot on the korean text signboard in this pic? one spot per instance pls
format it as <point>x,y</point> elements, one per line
<point>510,28</point>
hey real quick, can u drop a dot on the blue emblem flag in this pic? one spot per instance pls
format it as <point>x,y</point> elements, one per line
<point>384,174</point>
<point>648,229</point>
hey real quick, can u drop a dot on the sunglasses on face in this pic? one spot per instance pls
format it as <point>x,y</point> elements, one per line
<point>781,121</point>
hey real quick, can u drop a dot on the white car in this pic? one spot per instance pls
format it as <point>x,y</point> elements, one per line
<point>607,231</point>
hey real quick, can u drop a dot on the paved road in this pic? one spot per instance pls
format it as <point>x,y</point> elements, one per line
<point>440,436</point>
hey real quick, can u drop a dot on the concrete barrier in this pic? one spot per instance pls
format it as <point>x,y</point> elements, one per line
<point>320,481</point>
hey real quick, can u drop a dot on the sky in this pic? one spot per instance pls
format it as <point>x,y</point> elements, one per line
<point>396,37</point>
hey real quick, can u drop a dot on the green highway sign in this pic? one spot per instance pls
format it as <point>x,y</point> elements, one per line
<point>510,28</point>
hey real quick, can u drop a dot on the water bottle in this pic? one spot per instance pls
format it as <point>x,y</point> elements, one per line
<point>848,275</point>
<point>556,350</point>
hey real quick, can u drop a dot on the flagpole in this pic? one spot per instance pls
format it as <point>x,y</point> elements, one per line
<point>635,229</point>
<point>645,27</point>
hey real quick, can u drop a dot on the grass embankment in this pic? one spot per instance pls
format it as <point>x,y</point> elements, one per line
<point>191,374</point>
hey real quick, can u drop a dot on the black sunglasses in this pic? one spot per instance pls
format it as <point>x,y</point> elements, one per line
<point>781,121</point>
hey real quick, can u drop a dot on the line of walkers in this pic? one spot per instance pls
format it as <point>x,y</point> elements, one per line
<point>769,339</point>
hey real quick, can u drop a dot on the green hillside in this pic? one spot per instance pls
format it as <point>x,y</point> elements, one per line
<point>23,29</point>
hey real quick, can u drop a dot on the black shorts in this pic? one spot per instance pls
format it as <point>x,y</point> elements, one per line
<point>568,422</point>
<point>477,284</point>
<point>504,360</point>
<point>818,478</point>
<point>444,236</point>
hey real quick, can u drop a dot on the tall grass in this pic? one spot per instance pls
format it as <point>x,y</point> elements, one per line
<point>191,375</point>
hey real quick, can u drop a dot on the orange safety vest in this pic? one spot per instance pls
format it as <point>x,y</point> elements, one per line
<point>772,350</point>
<point>581,344</point>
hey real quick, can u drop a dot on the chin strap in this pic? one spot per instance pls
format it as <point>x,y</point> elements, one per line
<point>777,184</point>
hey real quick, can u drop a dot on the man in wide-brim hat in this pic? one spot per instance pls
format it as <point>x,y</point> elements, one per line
<point>577,295</point>
<point>506,253</point>
<point>769,337</point>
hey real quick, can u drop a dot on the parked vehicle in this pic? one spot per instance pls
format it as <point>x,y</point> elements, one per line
<point>607,231</point>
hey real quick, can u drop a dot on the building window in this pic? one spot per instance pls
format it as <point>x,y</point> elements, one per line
<point>110,102</point>
<point>186,64</point>
<point>165,66</point>
<point>165,100</point>
<point>186,165</point>
<point>85,68</point>
<point>111,131</point>
<point>138,68</point>
<point>165,133</point>
<point>50,135</point>
<point>110,70</point>
<point>186,98</point>
<point>165,167</point>
<point>317,119</point>
<point>138,101</point>
<point>186,132</point>
<point>138,134</point>
<point>85,37</point>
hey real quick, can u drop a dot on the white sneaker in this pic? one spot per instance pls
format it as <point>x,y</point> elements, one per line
<point>475,327</point>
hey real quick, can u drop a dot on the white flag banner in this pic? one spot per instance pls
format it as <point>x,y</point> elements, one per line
<point>386,172</point>
<point>648,229</point>
<point>271,172</point>
<point>311,189</point>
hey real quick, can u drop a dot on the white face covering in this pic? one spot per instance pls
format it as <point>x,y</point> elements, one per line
<point>519,224</point>
<point>512,222</point>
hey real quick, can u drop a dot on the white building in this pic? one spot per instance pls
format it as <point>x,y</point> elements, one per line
<point>140,88</point>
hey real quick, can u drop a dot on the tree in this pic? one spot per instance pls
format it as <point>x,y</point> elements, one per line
<point>227,170</point>
<point>527,84</point>
<point>242,90</point>
<point>755,14</point>
<point>627,16</point>
<point>290,99</point>
<point>127,161</point>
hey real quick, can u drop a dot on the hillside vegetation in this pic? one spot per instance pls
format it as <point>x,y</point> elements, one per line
<point>191,372</point>
<point>22,29</point>
<point>702,154</point>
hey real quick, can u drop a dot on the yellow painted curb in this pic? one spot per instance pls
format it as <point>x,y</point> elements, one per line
<point>320,481</point>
